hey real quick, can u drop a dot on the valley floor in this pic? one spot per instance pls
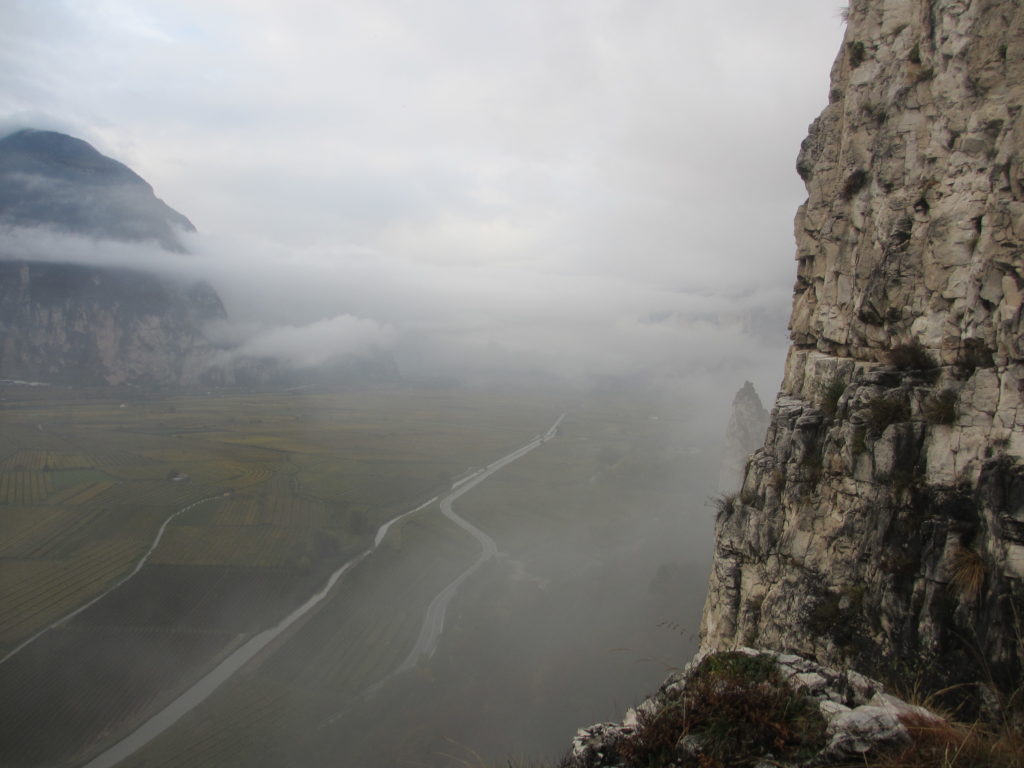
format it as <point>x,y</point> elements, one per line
<point>584,523</point>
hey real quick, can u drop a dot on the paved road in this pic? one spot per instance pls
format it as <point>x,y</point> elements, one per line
<point>383,530</point>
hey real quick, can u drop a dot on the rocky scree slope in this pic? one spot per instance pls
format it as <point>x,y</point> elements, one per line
<point>881,526</point>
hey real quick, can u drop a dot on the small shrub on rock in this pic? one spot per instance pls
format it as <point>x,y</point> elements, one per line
<point>940,408</point>
<point>972,356</point>
<point>725,504</point>
<point>858,52</point>
<point>968,572</point>
<point>911,357</point>
<point>736,709</point>
<point>854,183</point>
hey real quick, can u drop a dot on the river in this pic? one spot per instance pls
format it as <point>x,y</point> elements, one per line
<point>426,643</point>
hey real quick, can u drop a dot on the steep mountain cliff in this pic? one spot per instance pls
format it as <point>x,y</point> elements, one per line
<point>84,324</point>
<point>882,523</point>
<point>75,324</point>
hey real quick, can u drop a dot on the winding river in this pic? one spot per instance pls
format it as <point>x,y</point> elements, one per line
<point>426,643</point>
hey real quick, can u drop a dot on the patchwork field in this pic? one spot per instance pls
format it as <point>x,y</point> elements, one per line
<point>289,486</point>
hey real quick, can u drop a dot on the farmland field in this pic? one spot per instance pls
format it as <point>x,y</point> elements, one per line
<point>288,488</point>
<point>278,491</point>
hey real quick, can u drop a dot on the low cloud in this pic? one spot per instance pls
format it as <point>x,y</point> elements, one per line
<point>310,346</point>
<point>574,190</point>
<point>491,322</point>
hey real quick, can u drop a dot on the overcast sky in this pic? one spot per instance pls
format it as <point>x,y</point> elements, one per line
<point>579,186</point>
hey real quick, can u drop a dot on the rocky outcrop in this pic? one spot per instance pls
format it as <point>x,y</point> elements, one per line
<point>748,423</point>
<point>882,523</point>
<point>754,707</point>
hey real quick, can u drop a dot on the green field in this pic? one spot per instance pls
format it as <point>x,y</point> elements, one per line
<point>297,485</point>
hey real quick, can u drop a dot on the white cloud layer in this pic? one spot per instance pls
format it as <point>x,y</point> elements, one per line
<point>312,345</point>
<point>583,187</point>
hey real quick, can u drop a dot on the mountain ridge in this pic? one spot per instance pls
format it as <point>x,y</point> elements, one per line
<point>52,179</point>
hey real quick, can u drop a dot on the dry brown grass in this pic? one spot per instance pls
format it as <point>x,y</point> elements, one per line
<point>942,744</point>
<point>940,408</point>
<point>968,573</point>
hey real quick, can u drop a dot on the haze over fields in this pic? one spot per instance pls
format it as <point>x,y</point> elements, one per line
<point>532,247</point>
<point>575,189</point>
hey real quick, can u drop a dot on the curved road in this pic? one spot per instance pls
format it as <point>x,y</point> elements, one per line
<point>135,570</point>
<point>433,623</point>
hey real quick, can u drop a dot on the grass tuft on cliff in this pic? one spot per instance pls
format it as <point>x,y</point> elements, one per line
<point>969,571</point>
<point>911,356</point>
<point>940,408</point>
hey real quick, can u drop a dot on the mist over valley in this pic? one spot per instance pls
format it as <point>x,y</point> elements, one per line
<point>365,370</point>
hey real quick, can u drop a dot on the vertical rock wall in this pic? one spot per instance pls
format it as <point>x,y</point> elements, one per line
<point>882,524</point>
<point>94,326</point>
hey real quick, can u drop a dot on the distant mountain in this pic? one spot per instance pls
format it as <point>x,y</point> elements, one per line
<point>84,324</point>
<point>92,325</point>
<point>55,180</point>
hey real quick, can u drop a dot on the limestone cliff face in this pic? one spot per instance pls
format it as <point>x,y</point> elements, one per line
<point>745,434</point>
<point>85,325</point>
<point>882,523</point>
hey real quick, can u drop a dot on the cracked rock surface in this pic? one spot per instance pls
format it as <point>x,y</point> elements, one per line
<point>881,525</point>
